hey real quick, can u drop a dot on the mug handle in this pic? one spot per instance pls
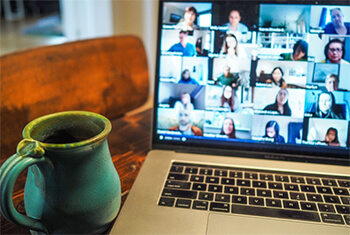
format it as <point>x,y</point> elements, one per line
<point>29,152</point>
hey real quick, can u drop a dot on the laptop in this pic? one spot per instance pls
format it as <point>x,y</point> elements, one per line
<point>250,122</point>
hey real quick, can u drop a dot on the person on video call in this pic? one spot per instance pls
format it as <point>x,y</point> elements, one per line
<point>332,82</point>
<point>228,78</point>
<point>183,46</point>
<point>277,78</point>
<point>299,52</point>
<point>281,104</point>
<point>234,54</point>
<point>185,125</point>
<point>337,26</point>
<point>228,128</point>
<point>186,78</point>
<point>187,22</point>
<point>235,26</point>
<point>325,104</point>
<point>228,98</point>
<point>334,52</point>
<point>184,102</point>
<point>272,130</point>
<point>331,137</point>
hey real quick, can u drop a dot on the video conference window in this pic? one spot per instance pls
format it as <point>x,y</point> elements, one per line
<point>193,16</point>
<point>249,72</point>
<point>330,20</point>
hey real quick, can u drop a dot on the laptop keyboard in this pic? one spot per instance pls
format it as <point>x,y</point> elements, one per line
<point>287,195</point>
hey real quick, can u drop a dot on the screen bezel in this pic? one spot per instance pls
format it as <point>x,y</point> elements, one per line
<point>300,153</point>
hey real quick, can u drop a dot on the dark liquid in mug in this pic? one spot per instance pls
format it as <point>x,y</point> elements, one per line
<point>64,137</point>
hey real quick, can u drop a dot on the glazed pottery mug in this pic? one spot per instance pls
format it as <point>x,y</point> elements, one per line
<point>72,185</point>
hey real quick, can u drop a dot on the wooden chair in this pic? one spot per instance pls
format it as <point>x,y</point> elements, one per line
<point>104,75</point>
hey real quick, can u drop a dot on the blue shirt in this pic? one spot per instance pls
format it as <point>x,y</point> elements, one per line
<point>189,50</point>
<point>189,81</point>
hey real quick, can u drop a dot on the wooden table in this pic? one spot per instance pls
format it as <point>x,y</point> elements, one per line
<point>129,142</point>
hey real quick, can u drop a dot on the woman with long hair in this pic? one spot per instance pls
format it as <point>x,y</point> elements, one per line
<point>228,98</point>
<point>228,128</point>
<point>281,105</point>
<point>331,137</point>
<point>325,103</point>
<point>272,130</point>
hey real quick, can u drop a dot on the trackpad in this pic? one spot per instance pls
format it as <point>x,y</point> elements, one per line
<point>240,224</point>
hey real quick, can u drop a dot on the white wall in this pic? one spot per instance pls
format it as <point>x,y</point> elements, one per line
<point>139,18</point>
<point>83,19</point>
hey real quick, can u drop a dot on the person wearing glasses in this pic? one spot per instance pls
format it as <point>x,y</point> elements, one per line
<point>334,52</point>
<point>337,26</point>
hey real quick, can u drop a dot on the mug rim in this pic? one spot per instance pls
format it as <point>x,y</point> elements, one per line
<point>27,131</point>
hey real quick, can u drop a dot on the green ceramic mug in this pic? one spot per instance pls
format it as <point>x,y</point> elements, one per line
<point>72,185</point>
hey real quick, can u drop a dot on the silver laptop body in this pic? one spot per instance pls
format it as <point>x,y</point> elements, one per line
<point>228,155</point>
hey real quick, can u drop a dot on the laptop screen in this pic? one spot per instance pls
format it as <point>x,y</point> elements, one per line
<point>254,75</point>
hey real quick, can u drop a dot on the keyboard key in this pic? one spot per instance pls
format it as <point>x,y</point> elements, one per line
<point>212,180</point>
<point>332,218</point>
<point>165,201</point>
<point>347,219</point>
<point>291,187</point>
<point>206,196</point>
<point>256,201</point>
<point>183,203</point>
<point>197,178</point>
<point>314,197</point>
<point>308,206</point>
<point>251,175</point>
<point>174,176</point>
<point>343,209</point>
<point>248,191</point>
<point>324,190</point>
<point>178,169</point>
<point>264,193</point>
<point>200,205</point>
<point>179,193</point>
<point>276,212</point>
<point>341,191</point>
<point>298,196</point>
<point>228,181</point>
<point>308,188</point>
<point>243,183</point>
<point>236,174</point>
<point>222,207</point>
<point>177,184</point>
<point>215,188</point>
<point>239,199</point>
<point>259,184</point>
<point>280,194</point>
<point>290,204</point>
<point>331,199</point>
<point>345,200</point>
<point>222,173</point>
<point>313,181</point>
<point>344,183</point>
<point>299,180</point>
<point>275,185</point>
<point>222,198</point>
<point>199,187</point>
<point>206,172</point>
<point>273,202</point>
<point>266,177</point>
<point>328,182</point>
<point>282,178</point>
<point>231,190</point>
<point>191,170</point>
<point>326,207</point>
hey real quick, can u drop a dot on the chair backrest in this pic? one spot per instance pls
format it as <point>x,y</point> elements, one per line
<point>104,75</point>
